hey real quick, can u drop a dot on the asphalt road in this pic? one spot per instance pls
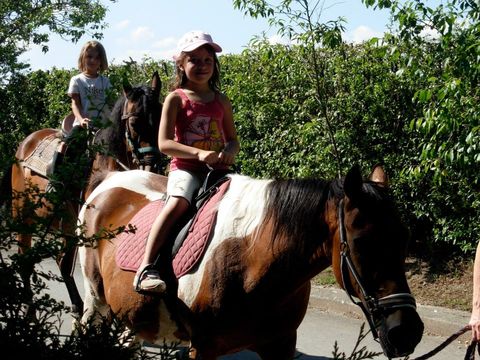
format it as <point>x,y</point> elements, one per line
<point>332,318</point>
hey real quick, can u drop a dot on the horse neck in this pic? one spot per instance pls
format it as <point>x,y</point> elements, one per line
<point>115,142</point>
<point>281,263</point>
<point>330,252</point>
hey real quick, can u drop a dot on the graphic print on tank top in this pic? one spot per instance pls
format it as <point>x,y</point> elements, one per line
<point>203,133</point>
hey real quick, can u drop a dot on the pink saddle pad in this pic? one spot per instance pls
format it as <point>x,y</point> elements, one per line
<point>132,246</point>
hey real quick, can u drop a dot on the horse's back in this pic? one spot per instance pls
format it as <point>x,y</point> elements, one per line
<point>119,197</point>
<point>28,145</point>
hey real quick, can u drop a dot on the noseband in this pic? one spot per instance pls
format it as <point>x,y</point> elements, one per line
<point>142,156</point>
<point>373,308</point>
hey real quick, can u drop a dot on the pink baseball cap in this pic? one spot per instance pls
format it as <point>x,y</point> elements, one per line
<point>193,40</point>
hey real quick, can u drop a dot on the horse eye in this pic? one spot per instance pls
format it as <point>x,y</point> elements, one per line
<point>362,242</point>
<point>360,221</point>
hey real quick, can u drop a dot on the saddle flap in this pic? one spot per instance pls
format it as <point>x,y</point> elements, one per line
<point>131,246</point>
<point>42,155</point>
<point>199,233</point>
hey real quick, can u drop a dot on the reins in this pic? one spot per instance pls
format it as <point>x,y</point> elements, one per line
<point>470,354</point>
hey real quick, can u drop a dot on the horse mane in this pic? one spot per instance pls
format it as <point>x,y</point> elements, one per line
<point>111,138</point>
<point>295,207</point>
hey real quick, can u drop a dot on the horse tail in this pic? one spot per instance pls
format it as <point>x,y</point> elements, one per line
<point>6,189</point>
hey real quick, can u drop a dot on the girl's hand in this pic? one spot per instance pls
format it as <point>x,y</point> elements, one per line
<point>84,122</point>
<point>475,326</point>
<point>208,157</point>
<point>226,158</point>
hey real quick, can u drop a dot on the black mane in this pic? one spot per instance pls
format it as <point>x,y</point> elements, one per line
<point>112,138</point>
<point>296,208</point>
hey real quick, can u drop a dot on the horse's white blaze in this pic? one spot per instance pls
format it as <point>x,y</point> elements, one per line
<point>239,213</point>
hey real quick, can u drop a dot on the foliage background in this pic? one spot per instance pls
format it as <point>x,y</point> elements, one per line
<point>312,109</point>
<point>318,107</point>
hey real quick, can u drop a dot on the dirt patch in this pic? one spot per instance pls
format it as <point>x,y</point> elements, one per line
<point>449,286</point>
<point>446,285</point>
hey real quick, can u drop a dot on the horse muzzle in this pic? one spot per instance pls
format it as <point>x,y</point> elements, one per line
<point>399,329</point>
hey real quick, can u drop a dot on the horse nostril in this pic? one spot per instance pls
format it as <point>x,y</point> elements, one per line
<point>404,344</point>
<point>402,332</point>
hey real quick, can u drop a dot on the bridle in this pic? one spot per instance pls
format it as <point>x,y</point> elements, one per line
<point>142,156</point>
<point>373,308</point>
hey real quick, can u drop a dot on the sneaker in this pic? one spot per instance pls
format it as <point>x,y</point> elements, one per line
<point>148,280</point>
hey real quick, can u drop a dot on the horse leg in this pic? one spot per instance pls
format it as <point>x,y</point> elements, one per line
<point>283,348</point>
<point>95,306</point>
<point>26,269</point>
<point>66,264</point>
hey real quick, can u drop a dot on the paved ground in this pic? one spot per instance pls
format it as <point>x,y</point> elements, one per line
<point>331,318</point>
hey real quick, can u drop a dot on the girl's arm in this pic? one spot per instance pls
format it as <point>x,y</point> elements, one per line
<point>232,146</point>
<point>77,109</point>
<point>166,134</point>
<point>475,316</point>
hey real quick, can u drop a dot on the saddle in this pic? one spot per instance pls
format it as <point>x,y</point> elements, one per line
<point>41,157</point>
<point>192,233</point>
<point>40,160</point>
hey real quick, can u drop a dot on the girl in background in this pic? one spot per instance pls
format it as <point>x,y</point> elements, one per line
<point>88,91</point>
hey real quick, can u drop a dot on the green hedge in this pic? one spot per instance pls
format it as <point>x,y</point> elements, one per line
<point>418,118</point>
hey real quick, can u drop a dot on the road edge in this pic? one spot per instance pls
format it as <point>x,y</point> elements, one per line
<point>438,321</point>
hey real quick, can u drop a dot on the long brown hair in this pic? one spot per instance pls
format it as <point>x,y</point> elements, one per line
<point>95,45</point>
<point>181,78</point>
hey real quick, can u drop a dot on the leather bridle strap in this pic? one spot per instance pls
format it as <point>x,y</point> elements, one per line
<point>370,305</point>
<point>136,149</point>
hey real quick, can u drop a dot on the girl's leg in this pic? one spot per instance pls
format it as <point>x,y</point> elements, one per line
<point>150,280</point>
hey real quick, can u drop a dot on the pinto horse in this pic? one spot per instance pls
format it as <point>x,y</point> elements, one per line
<point>129,142</point>
<point>251,288</point>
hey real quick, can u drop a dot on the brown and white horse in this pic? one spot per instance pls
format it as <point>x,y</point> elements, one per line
<point>130,142</point>
<point>252,286</point>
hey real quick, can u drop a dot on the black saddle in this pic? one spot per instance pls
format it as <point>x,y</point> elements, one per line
<point>214,179</point>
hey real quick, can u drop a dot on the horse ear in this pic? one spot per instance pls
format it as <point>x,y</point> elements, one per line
<point>156,83</point>
<point>352,185</point>
<point>379,176</point>
<point>127,88</point>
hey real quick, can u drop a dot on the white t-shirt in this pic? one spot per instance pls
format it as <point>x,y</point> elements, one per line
<point>92,95</point>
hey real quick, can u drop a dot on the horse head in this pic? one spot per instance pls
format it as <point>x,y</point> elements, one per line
<point>141,113</point>
<point>372,243</point>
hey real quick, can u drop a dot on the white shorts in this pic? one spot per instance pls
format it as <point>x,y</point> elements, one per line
<point>182,183</point>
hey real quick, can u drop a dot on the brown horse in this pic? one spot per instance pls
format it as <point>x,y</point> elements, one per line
<point>129,142</point>
<point>251,288</point>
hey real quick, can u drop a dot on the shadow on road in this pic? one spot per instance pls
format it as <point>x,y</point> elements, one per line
<point>302,356</point>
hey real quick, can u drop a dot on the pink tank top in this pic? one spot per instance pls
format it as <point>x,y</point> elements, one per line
<point>199,125</point>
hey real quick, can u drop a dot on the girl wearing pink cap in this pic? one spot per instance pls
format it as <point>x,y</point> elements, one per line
<point>198,132</point>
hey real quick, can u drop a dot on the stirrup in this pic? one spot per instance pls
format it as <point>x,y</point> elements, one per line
<point>55,162</point>
<point>149,281</point>
<point>54,186</point>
